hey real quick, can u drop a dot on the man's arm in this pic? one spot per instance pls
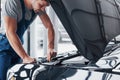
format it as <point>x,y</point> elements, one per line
<point>47,23</point>
<point>11,27</point>
<point>38,7</point>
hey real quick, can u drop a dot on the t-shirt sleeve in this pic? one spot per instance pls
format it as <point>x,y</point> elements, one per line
<point>10,9</point>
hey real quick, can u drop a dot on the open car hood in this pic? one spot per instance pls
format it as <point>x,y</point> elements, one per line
<point>91,24</point>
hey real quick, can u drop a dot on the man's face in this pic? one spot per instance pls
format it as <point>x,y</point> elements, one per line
<point>39,5</point>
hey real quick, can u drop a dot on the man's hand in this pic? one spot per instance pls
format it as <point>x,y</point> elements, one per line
<point>51,54</point>
<point>29,60</point>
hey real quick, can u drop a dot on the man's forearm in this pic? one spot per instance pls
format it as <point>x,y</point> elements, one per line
<point>51,35</point>
<point>47,23</point>
<point>16,44</point>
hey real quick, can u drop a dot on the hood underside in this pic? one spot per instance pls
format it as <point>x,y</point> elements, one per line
<point>91,24</point>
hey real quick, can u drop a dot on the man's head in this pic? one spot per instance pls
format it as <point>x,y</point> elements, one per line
<point>38,5</point>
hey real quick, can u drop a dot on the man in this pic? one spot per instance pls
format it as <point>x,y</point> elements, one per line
<point>18,14</point>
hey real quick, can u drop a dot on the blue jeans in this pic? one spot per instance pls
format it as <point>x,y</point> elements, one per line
<point>7,59</point>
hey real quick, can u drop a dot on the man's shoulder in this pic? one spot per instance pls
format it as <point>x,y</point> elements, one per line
<point>12,8</point>
<point>12,3</point>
